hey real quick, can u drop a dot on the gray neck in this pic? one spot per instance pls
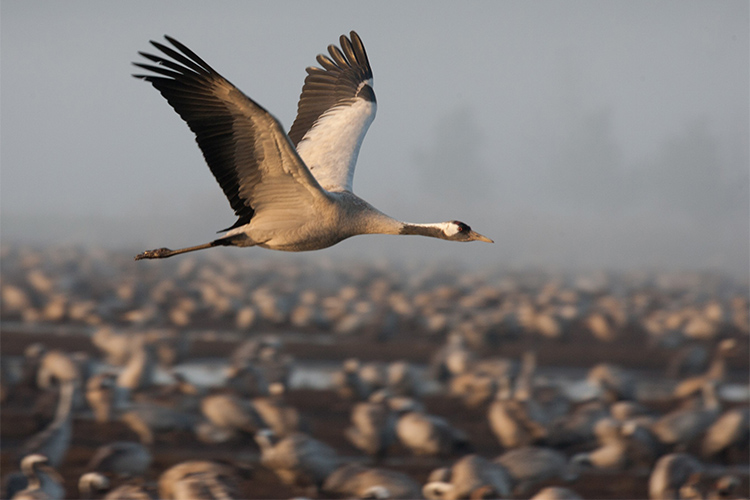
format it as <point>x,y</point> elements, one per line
<point>65,403</point>
<point>363,218</point>
<point>710,401</point>
<point>379,223</point>
<point>718,367</point>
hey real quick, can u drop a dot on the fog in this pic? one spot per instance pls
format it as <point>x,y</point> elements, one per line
<point>576,134</point>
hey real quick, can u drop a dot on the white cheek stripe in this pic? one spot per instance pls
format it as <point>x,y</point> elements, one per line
<point>449,228</point>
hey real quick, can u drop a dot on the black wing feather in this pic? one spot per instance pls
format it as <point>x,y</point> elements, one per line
<point>190,88</point>
<point>337,83</point>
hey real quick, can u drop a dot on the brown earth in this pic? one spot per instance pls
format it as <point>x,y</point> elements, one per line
<point>329,414</point>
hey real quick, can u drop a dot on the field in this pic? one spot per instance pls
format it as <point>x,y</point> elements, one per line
<point>202,310</point>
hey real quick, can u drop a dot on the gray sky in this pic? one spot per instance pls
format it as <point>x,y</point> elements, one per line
<point>584,134</point>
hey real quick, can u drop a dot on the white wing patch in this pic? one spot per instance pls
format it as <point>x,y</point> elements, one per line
<point>331,146</point>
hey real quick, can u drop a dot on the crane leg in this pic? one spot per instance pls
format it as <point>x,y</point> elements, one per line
<point>163,253</point>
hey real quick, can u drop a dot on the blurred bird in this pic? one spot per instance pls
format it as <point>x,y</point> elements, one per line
<point>612,454</point>
<point>116,346</point>
<point>689,360</point>
<point>715,373</point>
<point>276,414</point>
<point>732,428</point>
<point>57,366</point>
<point>578,426</point>
<point>147,420</point>
<point>451,359</point>
<point>404,380</point>
<point>231,412</point>
<point>615,382</point>
<point>100,394</point>
<point>556,493</point>
<point>373,428</point>
<point>530,465</point>
<point>54,440</point>
<point>95,483</point>
<point>44,482</point>
<point>682,426</point>
<point>349,382</point>
<point>298,459</point>
<point>356,481</point>
<point>123,458</point>
<point>290,192</point>
<point>670,473</point>
<point>516,422</point>
<point>92,483</point>
<point>470,477</point>
<point>138,372</point>
<point>198,480</point>
<point>430,435</point>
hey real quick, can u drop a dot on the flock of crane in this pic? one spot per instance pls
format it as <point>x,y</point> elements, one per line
<point>293,192</point>
<point>459,420</point>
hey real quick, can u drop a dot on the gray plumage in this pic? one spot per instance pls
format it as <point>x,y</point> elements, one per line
<point>54,440</point>
<point>612,454</point>
<point>715,373</point>
<point>92,483</point>
<point>349,383</point>
<point>147,420</point>
<point>100,394</point>
<point>128,492</point>
<point>516,422</point>
<point>470,477</point>
<point>356,481</point>
<point>44,482</point>
<point>732,428</point>
<point>138,372</point>
<point>59,366</point>
<point>429,435</point>
<point>298,459</point>
<point>123,458</point>
<point>683,426</point>
<point>615,382</point>
<point>373,427</point>
<point>277,414</point>
<point>198,480</point>
<point>556,493</point>
<point>530,465</point>
<point>290,192</point>
<point>670,473</point>
<point>452,359</point>
<point>231,412</point>
<point>578,426</point>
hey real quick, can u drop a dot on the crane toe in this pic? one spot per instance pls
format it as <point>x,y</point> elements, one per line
<point>158,253</point>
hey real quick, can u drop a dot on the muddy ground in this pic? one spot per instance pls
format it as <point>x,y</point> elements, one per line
<point>328,414</point>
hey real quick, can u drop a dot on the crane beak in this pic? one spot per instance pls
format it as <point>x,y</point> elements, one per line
<point>478,237</point>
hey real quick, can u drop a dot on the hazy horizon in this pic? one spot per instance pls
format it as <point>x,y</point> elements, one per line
<point>576,135</point>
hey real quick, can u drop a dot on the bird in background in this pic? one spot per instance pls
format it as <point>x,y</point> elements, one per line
<point>290,192</point>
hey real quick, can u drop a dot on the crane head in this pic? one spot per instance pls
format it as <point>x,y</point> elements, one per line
<point>459,231</point>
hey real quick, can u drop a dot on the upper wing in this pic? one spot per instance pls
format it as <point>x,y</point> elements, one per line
<point>335,109</point>
<point>245,146</point>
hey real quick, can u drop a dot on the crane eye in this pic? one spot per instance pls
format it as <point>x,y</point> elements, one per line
<point>462,227</point>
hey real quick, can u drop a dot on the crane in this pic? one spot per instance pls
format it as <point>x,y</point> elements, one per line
<point>290,192</point>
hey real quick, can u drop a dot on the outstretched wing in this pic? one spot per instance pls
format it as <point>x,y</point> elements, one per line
<point>335,110</point>
<point>245,146</point>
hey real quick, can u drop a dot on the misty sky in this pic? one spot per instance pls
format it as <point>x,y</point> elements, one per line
<point>575,134</point>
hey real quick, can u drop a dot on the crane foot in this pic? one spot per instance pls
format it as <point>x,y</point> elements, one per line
<point>159,253</point>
